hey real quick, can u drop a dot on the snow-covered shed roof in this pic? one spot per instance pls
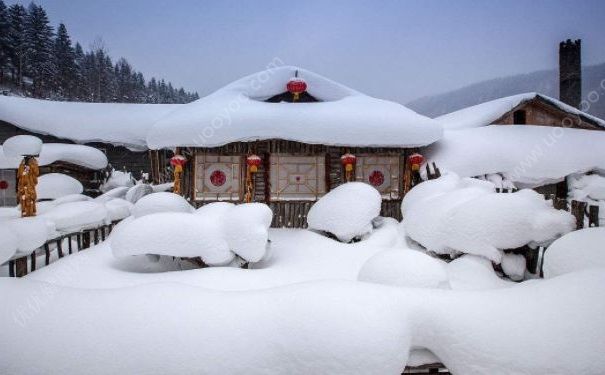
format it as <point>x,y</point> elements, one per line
<point>527,154</point>
<point>115,123</point>
<point>84,156</point>
<point>486,113</point>
<point>342,116</point>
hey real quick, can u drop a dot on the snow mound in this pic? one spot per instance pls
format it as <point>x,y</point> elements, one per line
<point>514,266</point>
<point>118,192</point>
<point>57,185</point>
<point>74,216</point>
<point>117,179</point>
<point>476,220</point>
<point>591,186</point>
<point>118,209</point>
<point>172,233</point>
<point>22,145</point>
<point>9,243</point>
<point>347,211</point>
<point>527,155</point>
<point>160,202</point>
<point>471,272</point>
<point>137,192</point>
<point>216,209</point>
<point>31,232</point>
<point>405,268</point>
<point>246,228</point>
<point>84,156</point>
<point>575,251</point>
<point>238,112</point>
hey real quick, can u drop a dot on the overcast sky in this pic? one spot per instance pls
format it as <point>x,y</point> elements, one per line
<point>398,50</point>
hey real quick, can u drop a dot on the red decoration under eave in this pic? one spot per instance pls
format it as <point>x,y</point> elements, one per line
<point>253,162</point>
<point>296,86</point>
<point>416,161</point>
<point>347,159</point>
<point>3,185</point>
<point>178,160</point>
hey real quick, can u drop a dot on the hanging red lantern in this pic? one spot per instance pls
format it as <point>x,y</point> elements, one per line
<point>253,162</point>
<point>178,162</point>
<point>416,161</point>
<point>348,161</point>
<point>296,86</point>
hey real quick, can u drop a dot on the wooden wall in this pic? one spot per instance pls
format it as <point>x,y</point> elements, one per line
<point>294,213</point>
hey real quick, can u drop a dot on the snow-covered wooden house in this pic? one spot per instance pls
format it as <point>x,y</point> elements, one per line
<point>292,128</point>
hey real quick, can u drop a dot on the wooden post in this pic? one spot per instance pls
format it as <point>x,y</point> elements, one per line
<point>593,216</point>
<point>577,209</point>
<point>21,266</point>
<point>33,261</point>
<point>69,244</point>
<point>60,247</point>
<point>46,254</point>
<point>11,268</point>
<point>85,240</point>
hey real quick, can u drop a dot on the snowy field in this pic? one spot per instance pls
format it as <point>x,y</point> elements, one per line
<point>311,304</point>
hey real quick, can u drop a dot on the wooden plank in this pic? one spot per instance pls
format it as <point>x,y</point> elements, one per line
<point>593,216</point>
<point>46,254</point>
<point>21,266</point>
<point>60,247</point>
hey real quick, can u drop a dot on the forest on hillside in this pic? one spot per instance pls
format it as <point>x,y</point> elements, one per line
<point>37,60</point>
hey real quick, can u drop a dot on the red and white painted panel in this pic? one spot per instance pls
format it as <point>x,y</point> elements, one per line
<point>8,187</point>
<point>382,172</point>
<point>297,177</point>
<point>218,177</point>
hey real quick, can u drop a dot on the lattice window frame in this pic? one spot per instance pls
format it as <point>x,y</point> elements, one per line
<point>391,164</point>
<point>234,163</point>
<point>280,182</point>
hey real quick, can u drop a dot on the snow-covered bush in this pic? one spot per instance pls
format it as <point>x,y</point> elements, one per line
<point>57,185</point>
<point>161,202</point>
<point>22,145</point>
<point>118,208</point>
<point>137,192</point>
<point>471,218</point>
<point>406,268</point>
<point>472,272</point>
<point>589,188</point>
<point>215,234</point>
<point>117,179</point>
<point>514,266</point>
<point>347,211</point>
<point>575,251</point>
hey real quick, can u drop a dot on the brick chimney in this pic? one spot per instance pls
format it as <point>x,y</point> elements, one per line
<point>570,72</point>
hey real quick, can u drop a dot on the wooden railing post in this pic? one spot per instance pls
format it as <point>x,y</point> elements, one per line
<point>593,216</point>
<point>577,209</point>
<point>21,266</point>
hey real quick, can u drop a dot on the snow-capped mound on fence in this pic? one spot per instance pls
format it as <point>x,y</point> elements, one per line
<point>406,268</point>
<point>8,243</point>
<point>476,220</point>
<point>347,211</point>
<point>575,251</point>
<point>75,216</point>
<point>215,234</point>
<point>117,179</point>
<point>117,192</point>
<point>57,185</point>
<point>31,232</point>
<point>118,208</point>
<point>527,155</point>
<point>84,156</point>
<point>137,192</point>
<point>161,202</point>
<point>591,186</point>
<point>239,112</point>
<point>22,145</point>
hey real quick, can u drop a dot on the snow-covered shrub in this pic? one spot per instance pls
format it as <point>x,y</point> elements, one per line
<point>117,179</point>
<point>161,202</point>
<point>57,185</point>
<point>118,208</point>
<point>589,188</point>
<point>137,192</point>
<point>474,219</point>
<point>347,211</point>
<point>215,234</point>
<point>514,266</point>
<point>175,234</point>
<point>21,145</point>
<point>405,268</point>
<point>575,251</point>
<point>74,216</point>
<point>472,272</point>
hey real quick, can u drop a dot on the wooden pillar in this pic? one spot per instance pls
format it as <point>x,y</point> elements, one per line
<point>21,266</point>
<point>577,209</point>
<point>593,216</point>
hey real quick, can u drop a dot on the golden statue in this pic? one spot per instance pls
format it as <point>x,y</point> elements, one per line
<point>28,173</point>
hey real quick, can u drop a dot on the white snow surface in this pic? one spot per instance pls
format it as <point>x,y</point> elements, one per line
<point>405,268</point>
<point>9,243</point>
<point>575,251</point>
<point>238,112</point>
<point>137,192</point>
<point>73,216</point>
<point>22,145</point>
<point>84,156</point>
<point>346,211</point>
<point>57,185</point>
<point>118,209</point>
<point>117,179</point>
<point>115,123</point>
<point>514,266</point>
<point>453,215</point>
<point>246,228</point>
<point>161,202</point>
<point>524,154</point>
<point>31,232</point>
<point>486,113</point>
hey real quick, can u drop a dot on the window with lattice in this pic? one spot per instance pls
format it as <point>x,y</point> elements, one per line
<point>382,172</point>
<point>218,177</point>
<point>297,177</point>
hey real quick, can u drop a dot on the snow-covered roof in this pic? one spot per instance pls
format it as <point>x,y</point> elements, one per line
<point>239,112</point>
<point>115,123</point>
<point>486,113</point>
<point>84,156</point>
<point>529,155</point>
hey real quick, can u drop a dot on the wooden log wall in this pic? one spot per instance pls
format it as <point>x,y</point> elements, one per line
<point>293,214</point>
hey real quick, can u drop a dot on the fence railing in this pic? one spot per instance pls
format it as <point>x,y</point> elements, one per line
<point>64,244</point>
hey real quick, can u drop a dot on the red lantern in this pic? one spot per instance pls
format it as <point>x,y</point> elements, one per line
<point>348,161</point>
<point>3,185</point>
<point>296,86</point>
<point>253,162</point>
<point>416,161</point>
<point>178,162</point>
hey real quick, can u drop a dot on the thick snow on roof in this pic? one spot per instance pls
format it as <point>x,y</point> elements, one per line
<point>85,156</point>
<point>238,112</point>
<point>116,123</point>
<point>485,113</point>
<point>526,154</point>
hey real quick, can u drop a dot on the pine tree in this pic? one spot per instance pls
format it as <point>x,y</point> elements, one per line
<point>79,93</point>
<point>4,41</point>
<point>66,70</point>
<point>39,50</point>
<point>16,41</point>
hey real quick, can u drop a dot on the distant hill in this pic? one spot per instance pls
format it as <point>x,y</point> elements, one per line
<point>544,81</point>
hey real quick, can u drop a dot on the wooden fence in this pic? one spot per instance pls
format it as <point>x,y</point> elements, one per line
<point>433,368</point>
<point>64,244</point>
